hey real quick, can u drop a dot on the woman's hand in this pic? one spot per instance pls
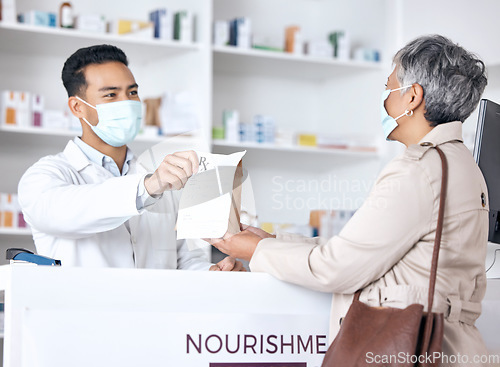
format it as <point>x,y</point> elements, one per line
<point>241,245</point>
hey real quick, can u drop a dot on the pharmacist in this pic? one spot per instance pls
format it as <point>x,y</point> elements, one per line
<point>92,205</point>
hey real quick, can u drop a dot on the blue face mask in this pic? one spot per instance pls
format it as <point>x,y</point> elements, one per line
<point>119,122</point>
<point>389,123</point>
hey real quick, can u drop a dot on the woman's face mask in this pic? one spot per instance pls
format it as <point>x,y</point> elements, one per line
<point>119,122</point>
<point>389,123</point>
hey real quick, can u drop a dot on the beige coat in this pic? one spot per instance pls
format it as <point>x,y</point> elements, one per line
<point>386,248</point>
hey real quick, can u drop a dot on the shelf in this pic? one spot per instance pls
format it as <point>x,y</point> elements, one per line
<point>296,149</point>
<point>15,231</point>
<point>46,41</point>
<point>72,133</point>
<point>233,60</point>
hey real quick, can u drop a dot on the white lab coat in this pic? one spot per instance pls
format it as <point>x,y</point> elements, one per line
<point>81,214</point>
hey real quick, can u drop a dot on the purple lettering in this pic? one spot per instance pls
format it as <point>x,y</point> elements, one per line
<point>300,343</point>
<point>237,347</point>
<point>283,344</point>
<point>208,339</point>
<point>319,344</point>
<point>189,339</point>
<point>251,346</point>
<point>271,343</point>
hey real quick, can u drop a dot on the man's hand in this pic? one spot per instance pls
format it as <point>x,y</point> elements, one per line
<point>173,173</point>
<point>228,264</point>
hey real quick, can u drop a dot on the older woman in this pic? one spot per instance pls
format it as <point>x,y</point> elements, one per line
<point>386,248</point>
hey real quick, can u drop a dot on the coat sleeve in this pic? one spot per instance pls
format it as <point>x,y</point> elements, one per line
<point>52,204</point>
<point>191,259</point>
<point>396,214</point>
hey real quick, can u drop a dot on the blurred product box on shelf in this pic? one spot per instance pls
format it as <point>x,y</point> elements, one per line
<point>170,114</point>
<point>329,223</point>
<point>332,141</point>
<point>91,23</point>
<point>55,119</point>
<point>240,32</point>
<point>178,113</point>
<point>279,228</point>
<point>11,215</point>
<point>163,20</point>
<point>218,133</point>
<point>37,108</point>
<point>293,40</point>
<point>183,26</point>
<point>359,142</point>
<point>135,28</point>
<point>231,124</point>
<point>221,33</point>
<point>341,44</point>
<point>319,48</point>
<point>8,11</point>
<point>24,109</point>
<point>263,129</point>
<point>27,110</point>
<point>246,132</point>
<point>285,137</point>
<point>2,318</point>
<point>267,43</point>
<point>308,140</point>
<point>8,107</point>
<point>366,54</point>
<point>15,108</point>
<point>38,18</point>
<point>152,118</point>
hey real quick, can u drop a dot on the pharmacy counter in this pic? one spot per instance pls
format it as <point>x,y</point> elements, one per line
<point>127,317</point>
<point>57,316</point>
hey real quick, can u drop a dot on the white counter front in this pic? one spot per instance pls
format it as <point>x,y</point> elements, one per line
<point>57,316</point>
<point>127,317</point>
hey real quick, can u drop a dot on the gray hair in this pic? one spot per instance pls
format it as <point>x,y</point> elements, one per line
<point>452,78</point>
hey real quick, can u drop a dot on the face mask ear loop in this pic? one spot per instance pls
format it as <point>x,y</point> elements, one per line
<point>408,86</point>
<point>88,123</point>
<point>88,104</point>
<point>406,113</point>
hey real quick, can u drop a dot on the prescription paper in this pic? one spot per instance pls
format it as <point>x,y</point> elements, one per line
<point>210,203</point>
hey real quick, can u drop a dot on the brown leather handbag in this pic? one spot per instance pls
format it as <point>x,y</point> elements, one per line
<point>385,336</point>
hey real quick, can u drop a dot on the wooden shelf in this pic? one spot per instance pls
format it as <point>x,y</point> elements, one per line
<point>296,149</point>
<point>31,40</point>
<point>233,60</point>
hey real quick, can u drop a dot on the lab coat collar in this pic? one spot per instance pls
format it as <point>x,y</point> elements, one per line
<point>100,159</point>
<point>443,133</point>
<point>75,156</point>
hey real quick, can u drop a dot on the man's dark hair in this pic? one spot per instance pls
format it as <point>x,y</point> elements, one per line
<point>73,75</point>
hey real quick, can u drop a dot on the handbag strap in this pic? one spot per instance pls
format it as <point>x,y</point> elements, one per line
<point>435,253</point>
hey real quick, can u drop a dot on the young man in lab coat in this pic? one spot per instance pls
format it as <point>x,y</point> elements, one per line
<point>92,205</point>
